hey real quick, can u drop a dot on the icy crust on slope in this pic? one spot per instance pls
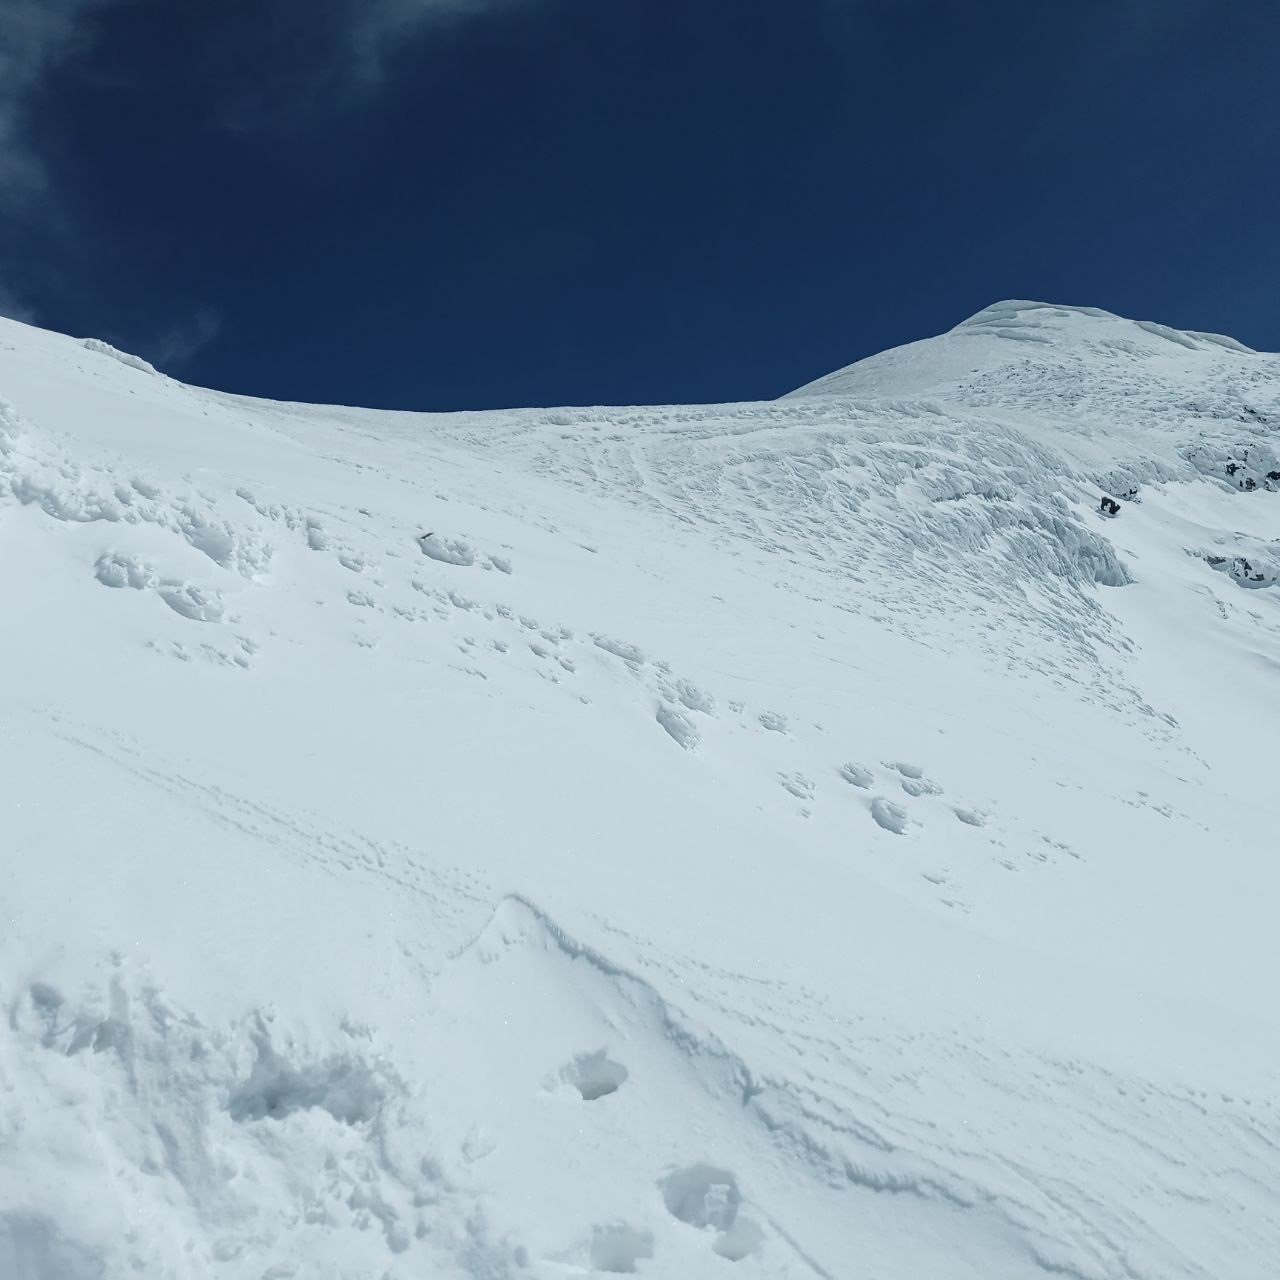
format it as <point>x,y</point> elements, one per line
<point>896,511</point>
<point>253,1150</point>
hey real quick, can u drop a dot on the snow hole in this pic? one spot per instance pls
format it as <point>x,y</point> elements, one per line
<point>594,1075</point>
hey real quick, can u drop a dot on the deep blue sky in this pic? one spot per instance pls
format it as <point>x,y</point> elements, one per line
<point>577,201</point>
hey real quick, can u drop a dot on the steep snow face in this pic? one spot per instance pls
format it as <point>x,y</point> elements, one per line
<point>805,839</point>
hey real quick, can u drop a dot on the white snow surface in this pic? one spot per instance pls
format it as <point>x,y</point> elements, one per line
<point>793,840</point>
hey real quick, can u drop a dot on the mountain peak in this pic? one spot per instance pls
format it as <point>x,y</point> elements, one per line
<point>1020,331</point>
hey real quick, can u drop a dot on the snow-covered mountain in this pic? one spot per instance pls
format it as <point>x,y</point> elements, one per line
<point>790,840</point>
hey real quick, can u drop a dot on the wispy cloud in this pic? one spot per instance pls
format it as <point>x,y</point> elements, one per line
<point>12,305</point>
<point>279,65</point>
<point>377,28</point>
<point>182,341</point>
<point>35,36</point>
<point>327,58</point>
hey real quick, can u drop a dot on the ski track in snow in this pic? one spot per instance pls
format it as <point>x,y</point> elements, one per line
<point>610,841</point>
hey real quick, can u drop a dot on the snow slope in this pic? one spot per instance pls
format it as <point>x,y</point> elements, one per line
<point>787,840</point>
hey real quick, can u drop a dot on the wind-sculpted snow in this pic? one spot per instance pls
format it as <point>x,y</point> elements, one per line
<point>806,839</point>
<point>293,1155</point>
<point>38,471</point>
<point>99,347</point>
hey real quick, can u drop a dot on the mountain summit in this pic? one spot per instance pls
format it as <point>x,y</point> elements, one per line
<point>828,837</point>
<point>1035,335</point>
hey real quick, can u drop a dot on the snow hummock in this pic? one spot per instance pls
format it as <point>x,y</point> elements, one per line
<point>799,839</point>
<point>124,357</point>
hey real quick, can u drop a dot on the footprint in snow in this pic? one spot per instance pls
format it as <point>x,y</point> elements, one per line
<point>914,783</point>
<point>594,1075</point>
<point>678,726</point>
<point>629,653</point>
<point>702,1195</point>
<point>920,787</point>
<point>705,1196</point>
<point>796,783</point>
<point>694,698</point>
<point>856,775</point>
<point>907,770</point>
<point>892,817</point>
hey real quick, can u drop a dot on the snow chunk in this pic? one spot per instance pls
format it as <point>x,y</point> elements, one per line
<point>200,604</point>
<point>892,817</point>
<point>1259,568</point>
<point>694,698</point>
<point>1245,466</point>
<point>678,725</point>
<point>123,357</point>
<point>620,649</point>
<point>857,775</point>
<point>196,603</point>
<point>447,550</point>
<point>921,787</point>
<point>907,770</point>
<point>115,570</point>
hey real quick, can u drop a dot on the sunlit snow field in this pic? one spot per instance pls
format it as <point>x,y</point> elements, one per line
<point>798,839</point>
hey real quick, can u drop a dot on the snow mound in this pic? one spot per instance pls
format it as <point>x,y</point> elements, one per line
<point>99,347</point>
